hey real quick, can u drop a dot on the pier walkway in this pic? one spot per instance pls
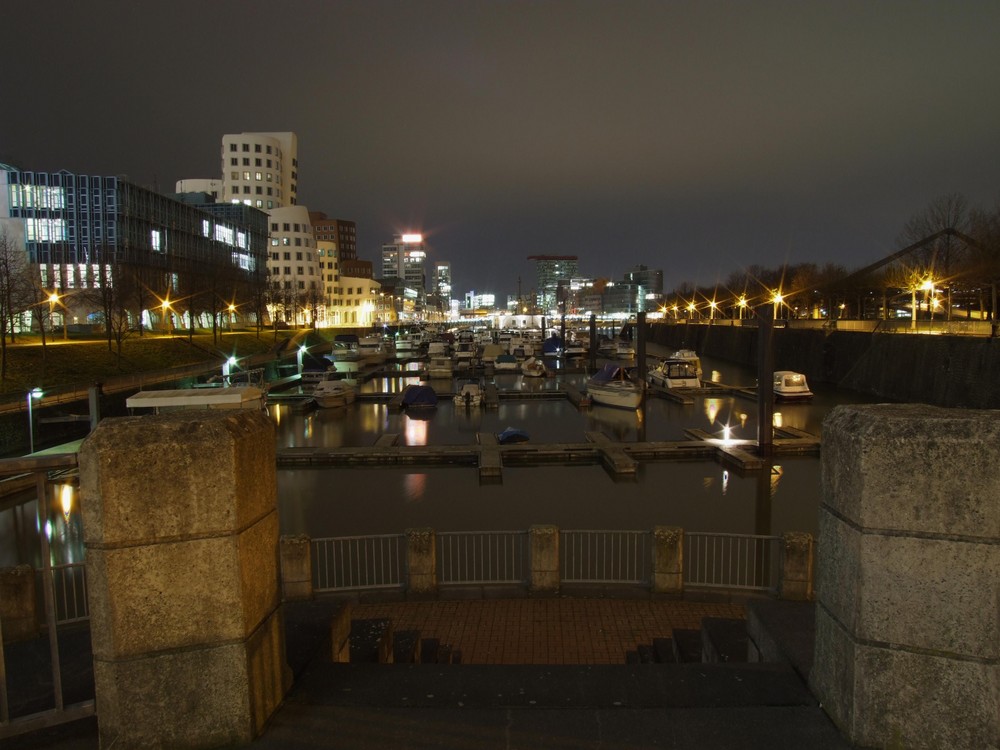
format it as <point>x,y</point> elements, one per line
<point>620,458</point>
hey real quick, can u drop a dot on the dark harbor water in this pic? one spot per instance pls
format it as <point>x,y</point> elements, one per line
<point>695,495</point>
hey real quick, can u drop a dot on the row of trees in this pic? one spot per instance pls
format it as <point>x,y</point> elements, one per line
<point>119,295</point>
<point>949,246</point>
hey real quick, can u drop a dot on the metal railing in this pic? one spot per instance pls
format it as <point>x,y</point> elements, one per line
<point>359,562</point>
<point>69,588</point>
<point>482,557</point>
<point>732,561</point>
<point>63,600</point>
<point>605,557</point>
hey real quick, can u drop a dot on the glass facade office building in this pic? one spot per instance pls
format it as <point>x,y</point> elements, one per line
<point>76,228</point>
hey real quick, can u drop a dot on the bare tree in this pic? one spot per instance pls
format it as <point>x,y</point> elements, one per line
<point>16,290</point>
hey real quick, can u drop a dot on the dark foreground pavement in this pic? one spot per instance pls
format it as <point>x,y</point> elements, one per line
<point>612,707</point>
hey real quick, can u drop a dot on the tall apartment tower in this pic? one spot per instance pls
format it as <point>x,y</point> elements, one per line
<point>442,279</point>
<point>552,272</point>
<point>405,258</point>
<point>260,169</point>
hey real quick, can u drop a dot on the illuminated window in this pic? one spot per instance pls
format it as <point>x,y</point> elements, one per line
<point>246,175</point>
<point>206,228</point>
<point>156,240</point>
<point>45,230</point>
<point>257,176</point>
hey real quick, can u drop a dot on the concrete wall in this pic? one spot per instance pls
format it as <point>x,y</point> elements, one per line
<point>962,371</point>
<point>181,535</point>
<point>908,577</point>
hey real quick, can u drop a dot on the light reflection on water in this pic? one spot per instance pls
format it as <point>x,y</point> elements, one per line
<point>695,495</point>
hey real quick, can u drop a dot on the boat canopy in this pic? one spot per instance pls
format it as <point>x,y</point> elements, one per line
<point>415,396</point>
<point>512,435</point>
<point>552,345</point>
<point>611,372</point>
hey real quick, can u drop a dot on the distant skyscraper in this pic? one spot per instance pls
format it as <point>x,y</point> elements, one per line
<point>260,169</point>
<point>442,280</point>
<point>405,258</point>
<point>552,271</point>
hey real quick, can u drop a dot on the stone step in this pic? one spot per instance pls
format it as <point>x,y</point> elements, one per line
<point>687,645</point>
<point>724,640</point>
<point>555,686</point>
<point>663,651</point>
<point>371,641</point>
<point>404,646</point>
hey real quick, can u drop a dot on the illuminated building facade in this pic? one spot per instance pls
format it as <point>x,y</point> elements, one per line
<point>405,259</point>
<point>295,276</point>
<point>84,233</point>
<point>551,273</point>
<point>260,169</point>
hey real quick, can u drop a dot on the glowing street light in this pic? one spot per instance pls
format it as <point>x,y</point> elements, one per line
<point>53,301</point>
<point>777,300</point>
<point>33,394</point>
<point>743,305</point>
<point>711,309</point>
<point>166,313</point>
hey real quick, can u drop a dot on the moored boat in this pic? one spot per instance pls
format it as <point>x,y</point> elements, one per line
<point>418,398</point>
<point>506,363</point>
<point>791,386</point>
<point>689,355</point>
<point>674,373</point>
<point>533,368</point>
<point>470,394</point>
<point>614,386</point>
<point>372,350</point>
<point>331,393</point>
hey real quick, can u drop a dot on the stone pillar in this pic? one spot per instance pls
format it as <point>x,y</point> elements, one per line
<point>296,568</point>
<point>907,576</point>
<point>797,566</point>
<point>668,560</point>
<point>421,559</point>
<point>543,548</point>
<point>181,533</point>
<point>17,603</point>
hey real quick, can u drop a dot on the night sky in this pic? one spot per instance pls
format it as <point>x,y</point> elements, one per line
<point>696,137</point>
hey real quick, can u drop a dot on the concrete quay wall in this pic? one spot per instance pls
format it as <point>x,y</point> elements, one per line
<point>951,371</point>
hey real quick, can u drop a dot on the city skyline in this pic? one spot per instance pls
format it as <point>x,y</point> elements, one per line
<point>696,138</point>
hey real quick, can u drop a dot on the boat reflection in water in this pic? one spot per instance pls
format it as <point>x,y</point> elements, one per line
<point>699,495</point>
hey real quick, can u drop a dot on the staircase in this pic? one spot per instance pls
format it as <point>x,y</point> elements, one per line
<point>712,691</point>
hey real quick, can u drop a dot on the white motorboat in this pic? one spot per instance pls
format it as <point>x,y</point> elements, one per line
<point>674,373</point>
<point>624,350</point>
<point>470,394</point>
<point>533,368</point>
<point>332,392</point>
<point>506,363</point>
<point>791,386</point>
<point>371,350</point>
<point>615,386</point>
<point>440,367</point>
<point>346,356</point>
<point>689,355</point>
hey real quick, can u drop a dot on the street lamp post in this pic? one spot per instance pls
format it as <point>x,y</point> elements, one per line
<point>34,393</point>
<point>53,301</point>
<point>166,315</point>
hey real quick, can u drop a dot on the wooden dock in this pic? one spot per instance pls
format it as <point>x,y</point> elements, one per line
<point>621,459</point>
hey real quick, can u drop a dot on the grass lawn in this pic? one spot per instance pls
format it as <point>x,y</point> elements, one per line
<point>85,361</point>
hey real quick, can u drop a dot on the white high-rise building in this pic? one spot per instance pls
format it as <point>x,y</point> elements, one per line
<point>260,169</point>
<point>296,280</point>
